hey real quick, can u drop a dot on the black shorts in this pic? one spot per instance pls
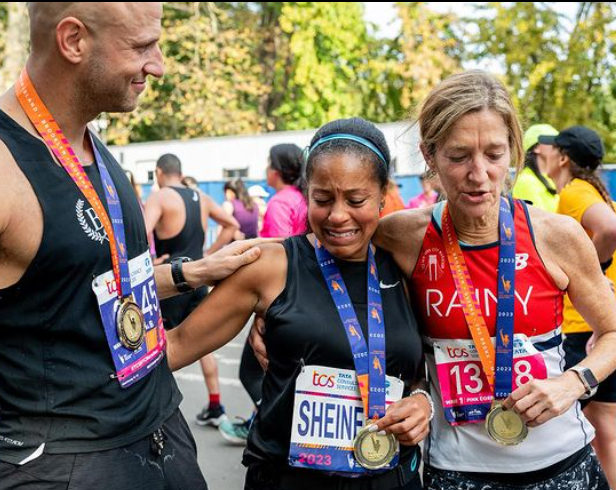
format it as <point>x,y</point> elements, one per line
<point>575,351</point>
<point>137,466</point>
<point>177,308</point>
<point>586,474</point>
<point>266,476</point>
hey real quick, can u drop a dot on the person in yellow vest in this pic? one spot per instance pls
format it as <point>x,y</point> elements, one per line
<point>532,184</point>
<point>583,196</point>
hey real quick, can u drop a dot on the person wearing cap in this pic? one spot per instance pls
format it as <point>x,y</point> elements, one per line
<point>578,152</point>
<point>532,184</point>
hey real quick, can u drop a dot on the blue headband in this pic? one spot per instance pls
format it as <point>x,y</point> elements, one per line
<point>349,137</point>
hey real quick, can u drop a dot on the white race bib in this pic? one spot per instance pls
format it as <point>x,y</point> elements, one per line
<point>327,414</point>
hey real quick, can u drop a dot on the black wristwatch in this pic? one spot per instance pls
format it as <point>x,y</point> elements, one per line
<point>178,276</point>
<point>588,380</point>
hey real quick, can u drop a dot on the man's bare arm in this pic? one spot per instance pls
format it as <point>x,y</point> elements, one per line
<point>212,268</point>
<point>153,212</point>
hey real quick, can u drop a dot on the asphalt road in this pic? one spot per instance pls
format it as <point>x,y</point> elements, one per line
<point>219,461</point>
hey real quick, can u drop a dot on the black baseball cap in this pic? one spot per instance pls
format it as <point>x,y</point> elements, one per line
<point>582,144</point>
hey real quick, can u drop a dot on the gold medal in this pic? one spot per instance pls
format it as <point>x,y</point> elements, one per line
<point>130,324</point>
<point>373,451</point>
<point>505,426</point>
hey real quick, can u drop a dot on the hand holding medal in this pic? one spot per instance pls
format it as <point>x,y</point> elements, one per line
<point>408,419</point>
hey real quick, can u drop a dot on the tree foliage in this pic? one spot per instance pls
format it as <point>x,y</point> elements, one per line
<point>250,67</point>
<point>560,71</point>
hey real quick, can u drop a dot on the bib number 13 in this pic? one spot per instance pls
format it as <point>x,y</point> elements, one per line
<point>468,377</point>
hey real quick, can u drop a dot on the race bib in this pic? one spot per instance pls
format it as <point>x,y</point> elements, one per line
<point>465,391</point>
<point>327,415</point>
<point>132,365</point>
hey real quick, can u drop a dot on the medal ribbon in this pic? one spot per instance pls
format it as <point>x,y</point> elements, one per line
<point>369,359</point>
<point>51,132</point>
<point>497,363</point>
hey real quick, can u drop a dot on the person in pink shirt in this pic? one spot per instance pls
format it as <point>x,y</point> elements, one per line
<point>286,213</point>
<point>427,198</point>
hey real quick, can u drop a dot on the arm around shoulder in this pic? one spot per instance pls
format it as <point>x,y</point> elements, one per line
<point>401,234</point>
<point>225,311</point>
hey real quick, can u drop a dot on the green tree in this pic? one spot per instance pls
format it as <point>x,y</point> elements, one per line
<point>322,74</point>
<point>14,43</point>
<point>560,71</point>
<point>212,83</point>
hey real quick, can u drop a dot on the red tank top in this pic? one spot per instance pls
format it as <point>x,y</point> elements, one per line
<point>538,301</point>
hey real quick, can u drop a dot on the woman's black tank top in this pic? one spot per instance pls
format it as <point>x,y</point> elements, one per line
<point>303,328</point>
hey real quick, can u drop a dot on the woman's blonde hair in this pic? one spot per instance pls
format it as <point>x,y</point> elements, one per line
<point>462,94</point>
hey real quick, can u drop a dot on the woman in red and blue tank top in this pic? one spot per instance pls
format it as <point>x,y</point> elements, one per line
<point>487,275</point>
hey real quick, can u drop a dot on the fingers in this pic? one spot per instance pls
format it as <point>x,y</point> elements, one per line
<point>246,257</point>
<point>259,324</point>
<point>160,260</point>
<point>263,360</point>
<point>242,246</point>
<point>407,419</point>
<point>257,343</point>
<point>517,395</point>
<point>541,400</point>
<point>412,439</point>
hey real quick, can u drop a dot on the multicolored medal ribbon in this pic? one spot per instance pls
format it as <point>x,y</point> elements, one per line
<point>504,426</point>
<point>130,321</point>
<point>371,450</point>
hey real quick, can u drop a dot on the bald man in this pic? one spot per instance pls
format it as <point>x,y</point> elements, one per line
<point>87,398</point>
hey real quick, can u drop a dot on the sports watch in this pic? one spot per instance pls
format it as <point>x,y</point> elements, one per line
<point>588,380</point>
<point>178,276</point>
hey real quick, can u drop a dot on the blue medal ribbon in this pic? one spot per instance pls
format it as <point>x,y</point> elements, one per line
<point>370,360</point>
<point>503,384</point>
<point>117,222</point>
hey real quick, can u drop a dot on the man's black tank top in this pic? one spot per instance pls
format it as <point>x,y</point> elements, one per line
<point>56,387</point>
<point>188,243</point>
<point>303,328</point>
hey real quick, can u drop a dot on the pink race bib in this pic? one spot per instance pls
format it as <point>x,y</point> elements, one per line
<point>465,391</point>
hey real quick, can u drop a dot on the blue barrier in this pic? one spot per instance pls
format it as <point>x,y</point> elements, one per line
<point>409,185</point>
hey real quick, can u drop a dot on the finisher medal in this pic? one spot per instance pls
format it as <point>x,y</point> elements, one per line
<point>131,325</point>
<point>505,426</point>
<point>373,451</point>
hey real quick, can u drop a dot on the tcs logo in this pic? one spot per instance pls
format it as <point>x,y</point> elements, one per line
<point>323,380</point>
<point>457,352</point>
